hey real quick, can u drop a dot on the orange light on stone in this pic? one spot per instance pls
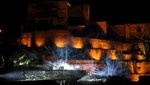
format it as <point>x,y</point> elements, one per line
<point>140,57</point>
<point>105,44</point>
<point>127,56</point>
<point>126,46</point>
<point>95,53</point>
<point>97,43</point>
<point>142,48</point>
<point>142,67</point>
<point>60,40</point>
<point>102,25</point>
<point>26,39</point>
<point>77,42</point>
<point>60,43</point>
<point>39,39</point>
<point>0,30</point>
<point>40,42</point>
<point>134,77</point>
<point>112,54</point>
<point>129,65</point>
<point>117,45</point>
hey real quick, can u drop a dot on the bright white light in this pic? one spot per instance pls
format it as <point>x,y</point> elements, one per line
<point>69,4</point>
<point>112,68</point>
<point>92,78</point>
<point>0,30</point>
<point>61,64</point>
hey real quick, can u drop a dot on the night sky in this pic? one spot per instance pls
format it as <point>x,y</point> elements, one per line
<point>11,16</point>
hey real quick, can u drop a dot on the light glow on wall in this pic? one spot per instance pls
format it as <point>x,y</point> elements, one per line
<point>97,43</point>
<point>134,77</point>
<point>0,30</point>
<point>127,56</point>
<point>95,53</point>
<point>26,39</point>
<point>60,40</point>
<point>77,42</point>
<point>140,57</point>
<point>39,42</point>
<point>40,39</point>
<point>142,67</point>
<point>112,54</point>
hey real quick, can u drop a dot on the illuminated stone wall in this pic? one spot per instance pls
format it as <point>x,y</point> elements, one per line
<point>99,47</point>
<point>136,30</point>
<point>95,54</point>
<point>62,38</point>
<point>25,39</point>
<point>54,12</point>
<point>129,31</point>
<point>119,31</point>
<point>79,11</point>
<point>77,42</point>
<point>39,38</point>
<point>99,43</point>
<point>102,25</point>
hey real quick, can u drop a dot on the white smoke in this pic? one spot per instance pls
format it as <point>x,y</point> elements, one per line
<point>112,68</point>
<point>63,65</point>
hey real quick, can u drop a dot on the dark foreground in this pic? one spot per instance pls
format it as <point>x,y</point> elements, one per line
<point>145,80</point>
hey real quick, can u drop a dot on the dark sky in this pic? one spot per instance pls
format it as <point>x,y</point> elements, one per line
<point>12,15</point>
<point>117,12</point>
<point>12,9</point>
<point>120,12</point>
